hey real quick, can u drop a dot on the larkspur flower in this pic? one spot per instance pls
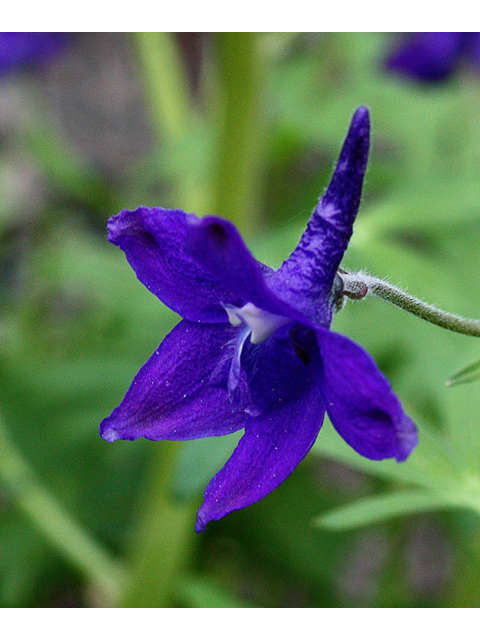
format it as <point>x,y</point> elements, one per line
<point>434,56</point>
<point>20,49</point>
<point>254,350</point>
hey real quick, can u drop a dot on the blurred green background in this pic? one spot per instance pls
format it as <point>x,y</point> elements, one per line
<point>246,126</point>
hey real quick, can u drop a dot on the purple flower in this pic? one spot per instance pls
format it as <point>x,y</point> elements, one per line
<point>18,49</point>
<point>254,350</point>
<point>432,56</point>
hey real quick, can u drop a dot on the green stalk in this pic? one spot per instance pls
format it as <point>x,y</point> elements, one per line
<point>164,536</point>
<point>164,533</point>
<point>238,170</point>
<point>59,528</point>
<point>164,530</point>
<point>165,83</point>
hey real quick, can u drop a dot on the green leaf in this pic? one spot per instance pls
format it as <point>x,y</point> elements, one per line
<point>468,373</point>
<point>204,593</point>
<point>462,410</point>
<point>425,206</point>
<point>441,472</point>
<point>431,464</point>
<point>378,508</point>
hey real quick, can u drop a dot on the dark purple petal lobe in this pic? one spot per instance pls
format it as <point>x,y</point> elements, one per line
<point>272,446</point>
<point>218,247</point>
<point>360,402</point>
<point>171,397</point>
<point>305,280</point>
<point>154,244</point>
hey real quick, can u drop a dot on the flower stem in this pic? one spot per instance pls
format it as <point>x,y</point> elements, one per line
<point>238,159</point>
<point>359,285</point>
<point>165,82</point>
<point>164,536</point>
<point>60,529</point>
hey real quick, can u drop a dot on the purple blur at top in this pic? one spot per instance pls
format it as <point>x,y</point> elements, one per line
<point>434,56</point>
<point>254,350</point>
<point>21,49</point>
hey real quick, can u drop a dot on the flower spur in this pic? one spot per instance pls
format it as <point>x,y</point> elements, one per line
<point>254,350</point>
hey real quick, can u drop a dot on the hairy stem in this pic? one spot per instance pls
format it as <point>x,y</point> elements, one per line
<point>359,285</point>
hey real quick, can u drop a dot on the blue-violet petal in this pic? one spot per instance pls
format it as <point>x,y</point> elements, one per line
<point>360,402</point>
<point>154,243</point>
<point>218,247</point>
<point>274,443</point>
<point>171,397</point>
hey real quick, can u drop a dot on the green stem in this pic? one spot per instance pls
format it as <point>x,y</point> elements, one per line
<point>359,285</point>
<point>163,530</point>
<point>164,536</point>
<point>60,529</point>
<point>165,83</point>
<point>237,173</point>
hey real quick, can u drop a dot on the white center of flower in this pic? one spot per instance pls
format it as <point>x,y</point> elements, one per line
<point>261,323</point>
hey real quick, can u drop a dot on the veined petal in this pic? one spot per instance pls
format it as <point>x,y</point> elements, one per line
<point>171,397</point>
<point>305,280</point>
<point>154,242</point>
<point>273,445</point>
<point>360,402</point>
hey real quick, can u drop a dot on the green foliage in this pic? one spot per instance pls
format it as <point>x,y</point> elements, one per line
<point>466,374</point>
<point>75,326</point>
